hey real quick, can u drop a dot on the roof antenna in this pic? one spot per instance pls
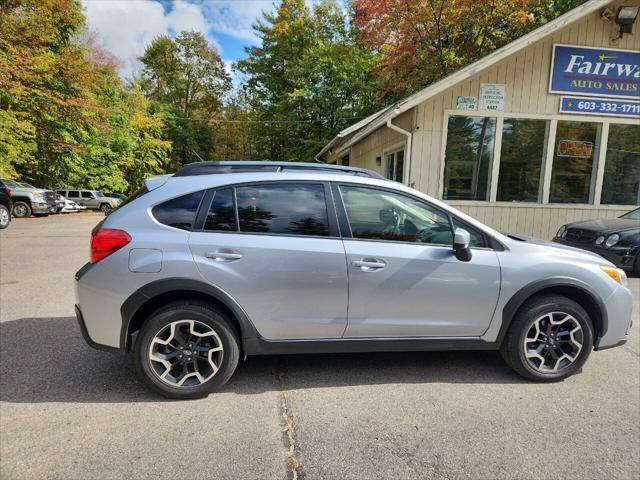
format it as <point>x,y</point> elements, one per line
<point>196,154</point>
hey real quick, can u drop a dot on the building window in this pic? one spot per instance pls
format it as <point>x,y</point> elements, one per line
<point>621,184</point>
<point>522,154</point>
<point>576,147</point>
<point>395,165</point>
<point>345,160</point>
<point>468,157</point>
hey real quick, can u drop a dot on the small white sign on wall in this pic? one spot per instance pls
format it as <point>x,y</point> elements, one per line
<point>466,103</point>
<point>492,97</point>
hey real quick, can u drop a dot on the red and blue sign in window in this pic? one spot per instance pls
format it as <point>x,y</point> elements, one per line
<point>596,72</point>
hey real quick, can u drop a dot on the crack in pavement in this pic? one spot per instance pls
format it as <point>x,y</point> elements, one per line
<point>288,431</point>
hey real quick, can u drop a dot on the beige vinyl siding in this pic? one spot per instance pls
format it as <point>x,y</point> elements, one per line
<point>364,153</point>
<point>526,75</point>
<point>541,221</point>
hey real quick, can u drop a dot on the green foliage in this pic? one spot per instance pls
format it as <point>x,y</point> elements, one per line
<point>66,119</point>
<point>185,77</point>
<point>307,80</point>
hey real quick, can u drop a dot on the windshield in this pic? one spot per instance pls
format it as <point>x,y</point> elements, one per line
<point>632,215</point>
<point>97,193</point>
<point>10,183</point>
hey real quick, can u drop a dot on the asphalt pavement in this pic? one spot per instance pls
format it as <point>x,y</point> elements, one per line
<point>70,412</point>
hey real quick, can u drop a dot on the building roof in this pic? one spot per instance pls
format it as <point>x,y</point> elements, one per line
<point>356,132</point>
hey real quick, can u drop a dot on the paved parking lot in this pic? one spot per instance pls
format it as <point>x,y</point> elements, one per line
<point>70,412</point>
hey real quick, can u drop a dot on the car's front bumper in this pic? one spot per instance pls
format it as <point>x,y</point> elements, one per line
<point>621,257</point>
<point>619,308</point>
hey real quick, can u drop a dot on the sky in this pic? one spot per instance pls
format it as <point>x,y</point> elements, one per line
<point>125,27</point>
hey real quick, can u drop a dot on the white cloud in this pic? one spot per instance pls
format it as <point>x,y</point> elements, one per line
<point>235,18</point>
<point>125,27</point>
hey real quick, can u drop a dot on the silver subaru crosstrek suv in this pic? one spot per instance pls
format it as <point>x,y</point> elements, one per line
<point>227,259</point>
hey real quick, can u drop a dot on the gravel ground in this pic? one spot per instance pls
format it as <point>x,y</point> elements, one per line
<point>70,412</point>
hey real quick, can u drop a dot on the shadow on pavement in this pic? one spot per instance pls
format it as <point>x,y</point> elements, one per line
<point>47,360</point>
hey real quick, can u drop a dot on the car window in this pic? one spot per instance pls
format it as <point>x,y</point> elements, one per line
<point>632,215</point>
<point>73,194</point>
<point>178,212</point>
<point>288,208</point>
<point>61,192</point>
<point>98,193</point>
<point>10,183</point>
<point>477,239</point>
<point>221,215</point>
<point>87,195</point>
<point>383,215</point>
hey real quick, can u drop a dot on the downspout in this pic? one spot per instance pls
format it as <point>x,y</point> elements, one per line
<point>409,135</point>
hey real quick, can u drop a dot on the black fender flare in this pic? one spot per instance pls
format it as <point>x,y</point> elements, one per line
<point>152,290</point>
<point>516,301</point>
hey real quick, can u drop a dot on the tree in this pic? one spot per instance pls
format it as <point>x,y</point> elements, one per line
<point>307,79</point>
<point>420,42</point>
<point>186,78</point>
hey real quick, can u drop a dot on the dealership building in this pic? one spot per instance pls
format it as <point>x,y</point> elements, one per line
<point>541,132</point>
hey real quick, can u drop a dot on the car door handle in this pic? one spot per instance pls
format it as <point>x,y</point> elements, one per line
<point>224,255</point>
<point>369,264</point>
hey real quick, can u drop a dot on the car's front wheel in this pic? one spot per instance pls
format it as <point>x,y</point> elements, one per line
<point>550,339</point>
<point>105,207</point>
<point>186,350</point>
<point>21,209</point>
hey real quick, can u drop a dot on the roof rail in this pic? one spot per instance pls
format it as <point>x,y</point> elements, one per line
<point>209,168</point>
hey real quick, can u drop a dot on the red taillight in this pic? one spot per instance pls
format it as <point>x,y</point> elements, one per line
<point>7,191</point>
<point>105,241</point>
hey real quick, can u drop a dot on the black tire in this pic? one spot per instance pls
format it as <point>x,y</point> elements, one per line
<point>636,265</point>
<point>5,217</point>
<point>21,209</point>
<point>202,313</point>
<point>534,309</point>
<point>105,207</point>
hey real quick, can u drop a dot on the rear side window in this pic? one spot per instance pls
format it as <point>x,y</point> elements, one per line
<point>178,212</point>
<point>222,214</point>
<point>73,194</point>
<point>288,208</point>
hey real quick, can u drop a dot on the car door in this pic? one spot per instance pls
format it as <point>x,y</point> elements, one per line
<point>404,280</point>
<point>278,254</point>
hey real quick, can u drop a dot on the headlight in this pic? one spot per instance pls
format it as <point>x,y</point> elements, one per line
<point>38,196</point>
<point>617,274</point>
<point>612,240</point>
<point>561,231</point>
<point>599,240</point>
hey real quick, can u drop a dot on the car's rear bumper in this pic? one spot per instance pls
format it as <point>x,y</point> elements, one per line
<point>621,257</point>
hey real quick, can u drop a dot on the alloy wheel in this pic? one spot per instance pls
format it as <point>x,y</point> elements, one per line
<point>4,217</point>
<point>20,210</point>
<point>185,353</point>
<point>553,342</point>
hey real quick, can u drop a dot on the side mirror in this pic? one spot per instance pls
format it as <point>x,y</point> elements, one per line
<point>461,242</point>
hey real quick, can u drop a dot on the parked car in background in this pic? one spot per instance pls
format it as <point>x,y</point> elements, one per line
<point>223,260</point>
<point>29,200</point>
<point>60,202</point>
<point>70,206</point>
<point>92,199</point>
<point>121,196</point>
<point>6,205</point>
<point>616,239</point>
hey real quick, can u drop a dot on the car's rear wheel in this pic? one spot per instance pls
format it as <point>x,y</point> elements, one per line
<point>550,339</point>
<point>21,209</point>
<point>186,350</point>
<point>5,217</point>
